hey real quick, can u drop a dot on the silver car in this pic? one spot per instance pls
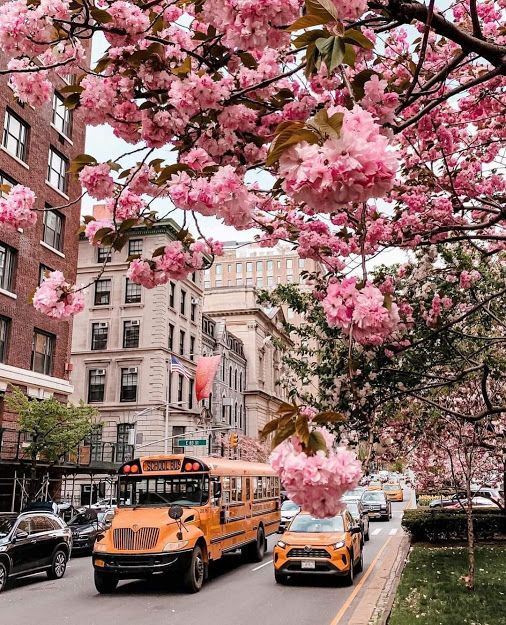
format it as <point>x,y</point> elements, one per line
<point>288,511</point>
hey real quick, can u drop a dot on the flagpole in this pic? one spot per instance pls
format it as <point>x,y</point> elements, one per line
<point>166,442</point>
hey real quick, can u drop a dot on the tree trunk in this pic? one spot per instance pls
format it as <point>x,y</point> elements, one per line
<point>471,564</point>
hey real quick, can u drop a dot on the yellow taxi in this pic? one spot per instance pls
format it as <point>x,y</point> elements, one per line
<point>319,546</point>
<point>374,485</point>
<point>393,491</point>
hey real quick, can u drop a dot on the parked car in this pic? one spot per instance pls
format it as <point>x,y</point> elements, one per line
<point>477,503</point>
<point>85,526</point>
<point>393,491</point>
<point>32,542</point>
<point>101,505</point>
<point>488,493</point>
<point>288,511</point>
<point>360,516</point>
<point>319,546</point>
<point>375,485</point>
<point>355,494</point>
<point>377,505</point>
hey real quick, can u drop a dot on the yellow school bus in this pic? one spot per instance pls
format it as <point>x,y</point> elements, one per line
<point>178,513</point>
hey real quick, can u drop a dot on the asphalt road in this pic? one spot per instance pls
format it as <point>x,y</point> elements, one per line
<point>236,594</point>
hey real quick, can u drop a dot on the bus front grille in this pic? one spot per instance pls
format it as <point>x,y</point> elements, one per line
<point>125,539</point>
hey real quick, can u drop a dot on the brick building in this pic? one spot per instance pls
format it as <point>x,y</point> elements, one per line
<point>36,148</point>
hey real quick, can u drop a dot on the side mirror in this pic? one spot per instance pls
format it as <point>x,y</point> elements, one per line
<point>217,489</point>
<point>355,529</point>
<point>281,529</point>
<point>90,514</point>
<point>20,535</point>
<point>175,512</point>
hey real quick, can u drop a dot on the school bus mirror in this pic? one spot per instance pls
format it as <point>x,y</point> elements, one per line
<point>175,512</point>
<point>217,489</point>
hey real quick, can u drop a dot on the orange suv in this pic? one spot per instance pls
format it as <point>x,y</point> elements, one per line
<point>319,546</point>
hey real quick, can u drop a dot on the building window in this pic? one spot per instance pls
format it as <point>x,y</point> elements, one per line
<point>180,382</point>
<point>44,271</point>
<point>182,336</point>
<point>62,116</point>
<point>192,347</point>
<point>104,255</point>
<point>103,292</point>
<point>42,352</point>
<point>99,335</point>
<point>260,282</point>
<point>289,263</point>
<point>169,382</point>
<point>4,334</point>
<point>289,278</point>
<point>218,270</point>
<point>6,180</point>
<point>182,303</point>
<point>131,333</point>
<point>240,382</point>
<point>207,284</point>
<point>122,437</point>
<point>7,265</point>
<point>171,336</point>
<point>96,385</point>
<point>230,377</point>
<point>132,292</point>
<point>172,294</point>
<point>260,266</point>
<point>15,138</point>
<point>238,267</point>
<point>249,281</point>
<point>178,431</point>
<point>235,414</point>
<point>128,391</point>
<point>249,267</point>
<point>218,283</point>
<point>301,263</point>
<point>135,247</point>
<point>94,440</point>
<point>190,393</point>
<point>57,170</point>
<point>270,281</point>
<point>235,380</point>
<point>194,276</point>
<point>269,266</point>
<point>52,233</point>
<point>193,310</point>
<point>239,281</point>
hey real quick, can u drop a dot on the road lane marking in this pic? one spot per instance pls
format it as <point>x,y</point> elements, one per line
<point>358,587</point>
<point>393,531</point>
<point>377,531</point>
<point>262,565</point>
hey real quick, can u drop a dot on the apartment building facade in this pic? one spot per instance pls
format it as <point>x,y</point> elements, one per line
<point>36,148</point>
<point>260,330</point>
<point>123,343</point>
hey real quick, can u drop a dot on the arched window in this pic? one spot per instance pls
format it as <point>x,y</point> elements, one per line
<point>230,377</point>
<point>235,379</point>
<point>235,415</point>
<point>241,421</point>
<point>223,412</point>
<point>240,382</point>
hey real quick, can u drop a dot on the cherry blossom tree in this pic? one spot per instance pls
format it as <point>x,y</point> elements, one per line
<point>345,128</point>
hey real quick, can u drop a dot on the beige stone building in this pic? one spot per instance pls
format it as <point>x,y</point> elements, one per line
<point>259,329</point>
<point>122,344</point>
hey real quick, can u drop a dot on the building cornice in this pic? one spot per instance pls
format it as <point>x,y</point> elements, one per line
<point>249,311</point>
<point>36,383</point>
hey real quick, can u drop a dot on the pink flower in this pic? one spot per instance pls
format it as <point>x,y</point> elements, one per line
<point>127,205</point>
<point>468,278</point>
<point>92,227</point>
<point>57,298</point>
<point>204,375</point>
<point>316,483</point>
<point>97,180</point>
<point>129,18</point>
<point>350,9</point>
<point>16,209</point>
<point>31,87</point>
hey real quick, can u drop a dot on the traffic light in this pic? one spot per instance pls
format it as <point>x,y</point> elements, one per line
<point>233,441</point>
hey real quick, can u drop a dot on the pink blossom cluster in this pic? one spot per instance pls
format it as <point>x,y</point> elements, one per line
<point>378,102</point>
<point>31,87</point>
<point>17,209</point>
<point>199,93</point>
<point>318,482</point>
<point>97,180</point>
<point>224,194</point>
<point>360,312</point>
<point>468,278</point>
<point>252,24</point>
<point>129,18</point>
<point>56,298</point>
<point>350,9</point>
<point>354,167</point>
<point>127,205</point>
<point>93,226</point>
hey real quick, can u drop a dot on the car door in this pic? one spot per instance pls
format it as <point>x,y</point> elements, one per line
<point>23,551</point>
<point>46,536</point>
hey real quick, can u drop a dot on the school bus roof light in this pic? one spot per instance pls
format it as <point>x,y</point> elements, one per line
<point>127,468</point>
<point>134,469</point>
<point>188,466</point>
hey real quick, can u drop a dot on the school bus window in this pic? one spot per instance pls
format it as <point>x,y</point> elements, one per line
<point>225,490</point>
<point>264,487</point>
<point>239,489</point>
<point>258,487</point>
<point>183,490</point>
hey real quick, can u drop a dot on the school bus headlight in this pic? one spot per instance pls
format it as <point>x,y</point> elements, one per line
<point>175,546</point>
<point>339,545</point>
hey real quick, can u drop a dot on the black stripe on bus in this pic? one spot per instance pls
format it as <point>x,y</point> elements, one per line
<point>225,536</point>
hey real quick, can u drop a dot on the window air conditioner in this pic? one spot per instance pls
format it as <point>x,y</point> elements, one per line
<point>99,371</point>
<point>132,370</point>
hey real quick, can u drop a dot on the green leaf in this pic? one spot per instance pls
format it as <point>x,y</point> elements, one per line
<point>306,21</point>
<point>269,427</point>
<point>128,224</point>
<point>183,69</point>
<point>5,188</point>
<point>359,81</point>
<point>248,60</point>
<point>358,38</point>
<point>329,126</point>
<point>285,139</point>
<point>71,89</point>
<point>284,431</point>
<point>302,429</point>
<point>81,161</point>
<point>387,301</point>
<point>332,51</point>
<point>350,55</point>
<point>167,172</point>
<point>309,36</point>
<point>324,8</point>
<point>100,234</point>
<point>102,64</point>
<point>100,16</point>
<point>328,416</point>
<point>316,442</point>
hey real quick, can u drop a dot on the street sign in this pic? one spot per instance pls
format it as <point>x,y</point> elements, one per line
<point>191,442</point>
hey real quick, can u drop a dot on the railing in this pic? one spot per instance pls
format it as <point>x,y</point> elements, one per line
<point>15,446</point>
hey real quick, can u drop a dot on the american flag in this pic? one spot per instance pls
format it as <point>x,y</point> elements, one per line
<point>177,365</point>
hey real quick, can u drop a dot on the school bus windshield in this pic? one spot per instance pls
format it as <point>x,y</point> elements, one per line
<point>184,490</point>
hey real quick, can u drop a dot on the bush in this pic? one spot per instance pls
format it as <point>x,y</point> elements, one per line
<point>437,525</point>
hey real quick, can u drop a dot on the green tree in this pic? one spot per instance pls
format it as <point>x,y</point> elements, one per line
<point>53,428</point>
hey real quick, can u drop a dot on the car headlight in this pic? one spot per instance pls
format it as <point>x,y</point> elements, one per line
<point>99,547</point>
<point>175,546</point>
<point>281,544</point>
<point>339,545</point>
<point>3,547</point>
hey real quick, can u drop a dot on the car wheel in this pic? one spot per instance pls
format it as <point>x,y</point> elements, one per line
<point>104,583</point>
<point>280,578</point>
<point>3,576</point>
<point>58,565</point>
<point>193,577</point>
<point>255,552</point>
<point>350,576</point>
<point>359,567</point>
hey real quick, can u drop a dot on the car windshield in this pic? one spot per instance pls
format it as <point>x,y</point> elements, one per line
<point>353,508</point>
<point>6,525</point>
<point>373,496</point>
<point>185,490</point>
<point>289,505</point>
<point>391,487</point>
<point>356,493</point>
<point>307,523</point>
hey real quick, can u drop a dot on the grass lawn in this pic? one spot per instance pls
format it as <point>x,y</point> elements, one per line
<point>430,592</point>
